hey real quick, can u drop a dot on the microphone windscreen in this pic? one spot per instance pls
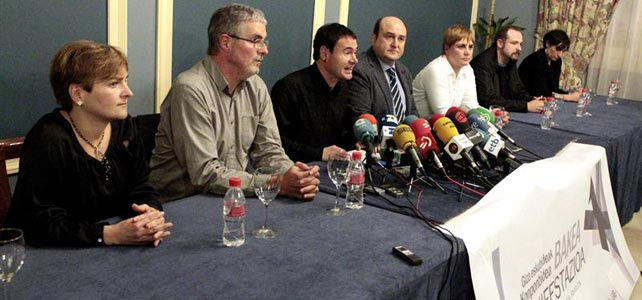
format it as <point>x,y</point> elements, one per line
<point>370,118</point>
<point>409,119</point>
<point>486,114</point>
<point>372,121</point>
<point>423,136</point>
<point>386,120</point>
<point>363,130</point>
<point>389,121</point>
<point>445,129</point>
<point>434,118</point>
<point>458,116</point>
<point>477,122</point>
<point>404,137</point>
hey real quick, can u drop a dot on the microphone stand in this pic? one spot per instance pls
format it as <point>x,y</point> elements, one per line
<point>413,174</point>
<point>431,181</point>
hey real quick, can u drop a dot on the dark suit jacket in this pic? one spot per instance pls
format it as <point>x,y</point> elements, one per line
<point>369,91</point>
<point>488,87</point>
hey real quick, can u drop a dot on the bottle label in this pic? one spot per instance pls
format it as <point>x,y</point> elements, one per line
<point>357,178</point>
<point>237,211</point>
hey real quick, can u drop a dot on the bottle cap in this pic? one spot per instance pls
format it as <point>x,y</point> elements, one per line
<point>235,182</point>
<point>549,99</point>
<point>498,113</point>
<point>356,155</point>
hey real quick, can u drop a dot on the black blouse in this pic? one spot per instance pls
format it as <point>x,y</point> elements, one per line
<point>540,78</point>
<point>63,193</point>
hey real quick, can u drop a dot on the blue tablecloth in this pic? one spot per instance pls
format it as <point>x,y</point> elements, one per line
<point>617,128</point>
<point>315,256</point>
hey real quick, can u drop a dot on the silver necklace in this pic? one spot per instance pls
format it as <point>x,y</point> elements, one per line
<point>103,159</point>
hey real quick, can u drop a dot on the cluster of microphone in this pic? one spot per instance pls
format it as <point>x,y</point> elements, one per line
<point>468,139</point>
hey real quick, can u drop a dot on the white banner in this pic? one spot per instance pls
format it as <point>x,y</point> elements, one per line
<point>549,231</point>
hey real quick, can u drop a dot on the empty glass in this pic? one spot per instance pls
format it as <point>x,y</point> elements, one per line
<point>12,255</point>
<point>266,191</point>
<point>338,173</point>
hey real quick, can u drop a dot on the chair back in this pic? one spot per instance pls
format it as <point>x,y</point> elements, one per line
<point>9,149</point>
<point>147,126</point>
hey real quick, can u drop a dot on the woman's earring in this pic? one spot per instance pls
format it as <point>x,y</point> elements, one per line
<point>79,103</point>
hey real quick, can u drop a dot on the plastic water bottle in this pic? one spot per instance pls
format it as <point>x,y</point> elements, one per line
<point>547,114</point>
<point>582,102</point>
<point>610,99</point>
<point>499,122</point>
<point>234,214</point>
<point>356,182</point>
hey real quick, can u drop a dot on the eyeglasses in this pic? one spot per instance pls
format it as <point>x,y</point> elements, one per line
<point>258,43</point>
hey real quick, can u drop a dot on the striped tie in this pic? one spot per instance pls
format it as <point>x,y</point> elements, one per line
<point>398,105</point>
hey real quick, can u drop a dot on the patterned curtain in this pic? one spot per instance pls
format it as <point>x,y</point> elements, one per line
<point>585,22</point>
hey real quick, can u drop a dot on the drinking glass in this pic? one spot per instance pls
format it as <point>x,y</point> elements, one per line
<point>591,95</point>
<point>266,191</point>
<point>557,103</point>
<point>338,173</point>
<point>12,255</point>
<point>498,111</point>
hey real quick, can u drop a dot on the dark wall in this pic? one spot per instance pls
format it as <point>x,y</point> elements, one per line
<point>32,31</point>
<point>425,20</point>
<point>526,14</point>
<point>289,32</point>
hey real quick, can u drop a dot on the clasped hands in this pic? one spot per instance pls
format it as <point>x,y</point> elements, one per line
<point>148,227</point>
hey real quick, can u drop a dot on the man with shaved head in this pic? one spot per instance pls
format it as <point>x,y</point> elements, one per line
<point>380,83</point>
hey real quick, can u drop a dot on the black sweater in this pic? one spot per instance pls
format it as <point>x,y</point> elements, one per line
<point>62,193</point>
<point>508,91</point>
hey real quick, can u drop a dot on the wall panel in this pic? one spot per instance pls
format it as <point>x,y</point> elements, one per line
<point>32,30</point>
<point>289,25</point>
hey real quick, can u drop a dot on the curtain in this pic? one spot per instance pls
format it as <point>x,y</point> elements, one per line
<point>619,55</point>
<point>585,22</point>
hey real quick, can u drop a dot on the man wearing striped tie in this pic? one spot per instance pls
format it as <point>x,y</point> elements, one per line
<point>381,84</point>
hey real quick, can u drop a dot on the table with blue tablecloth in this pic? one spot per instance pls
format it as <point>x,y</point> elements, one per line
<point>315,256</point>
<point>617,128</point>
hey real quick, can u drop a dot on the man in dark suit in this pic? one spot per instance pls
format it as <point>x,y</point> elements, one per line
<point>370,90</point>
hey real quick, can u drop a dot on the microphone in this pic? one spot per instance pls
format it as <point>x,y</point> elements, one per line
<point>434,118</point>
<point>364,132</point>
<point>409,119</point>
<point>458,117</point>
<point>488,116</point>
<point>426,142</point>
<point>494,145</point>
<point>388,124</point>
<point>478,122</point>
<point>457,145</point>
<point>387,144</point>
<point>404,137</point>
<point>373,121</point>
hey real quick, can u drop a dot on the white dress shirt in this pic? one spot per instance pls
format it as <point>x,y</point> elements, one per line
<point>437,88</point>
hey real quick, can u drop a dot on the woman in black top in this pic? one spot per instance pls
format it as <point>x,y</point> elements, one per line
<point>84,162</point>
<point>540,71</point>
